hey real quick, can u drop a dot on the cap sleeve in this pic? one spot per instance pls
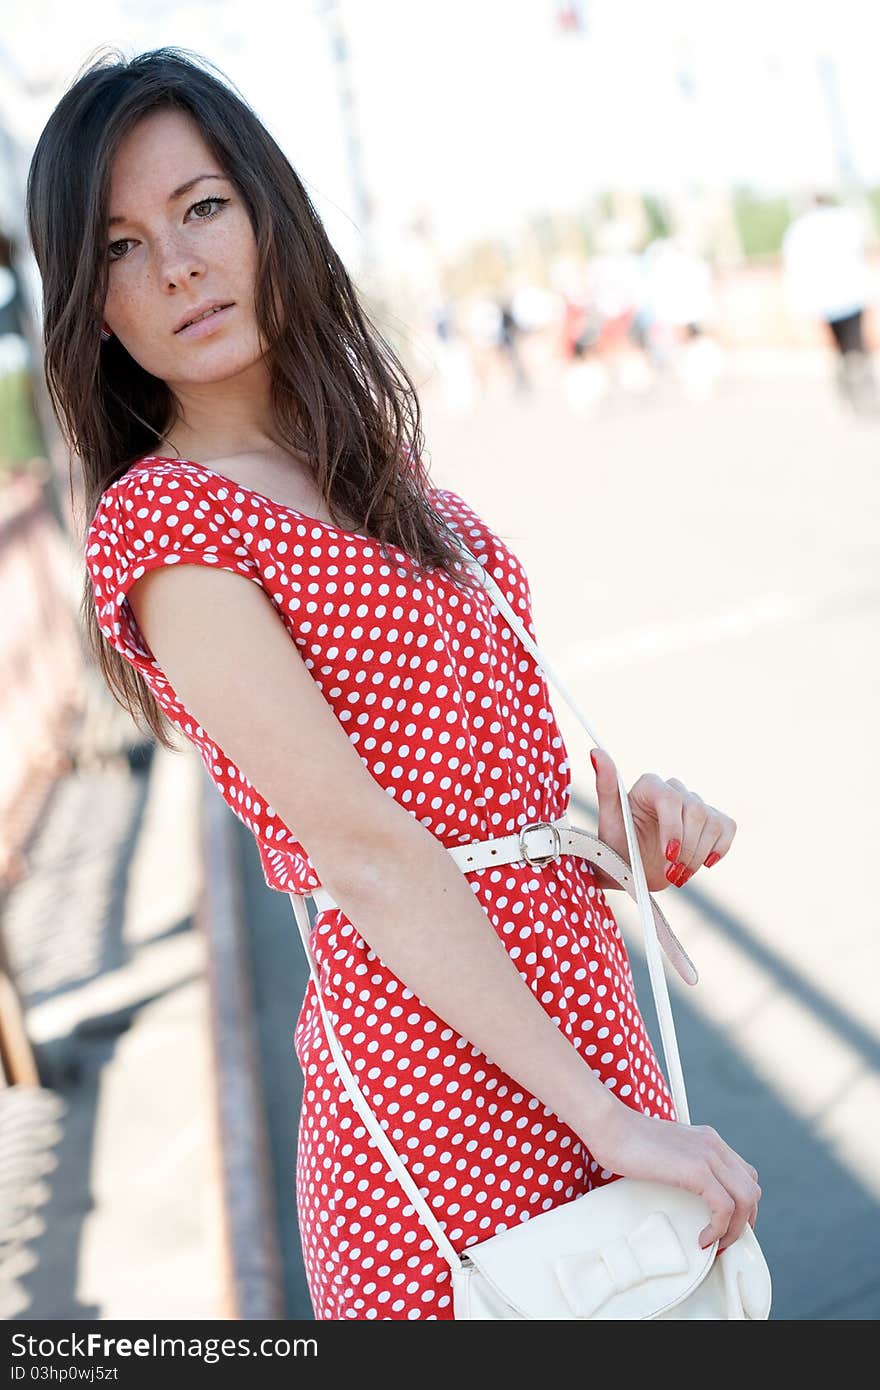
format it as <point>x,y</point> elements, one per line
<point>146,521</point>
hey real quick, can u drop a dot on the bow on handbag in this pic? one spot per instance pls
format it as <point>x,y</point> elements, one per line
<point>589,1278</point>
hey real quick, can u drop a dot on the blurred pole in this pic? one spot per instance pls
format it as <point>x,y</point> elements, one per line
<point>331,12</point>
<point>727,247</point>
<point>851,185</point>
<point>840,140</point>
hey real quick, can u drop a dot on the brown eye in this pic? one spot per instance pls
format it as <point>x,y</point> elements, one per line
<point>211,205</point>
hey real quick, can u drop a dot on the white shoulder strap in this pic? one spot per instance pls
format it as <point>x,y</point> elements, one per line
<point>652,945</point>
<point>404,1177</point>
<point>652,950</point>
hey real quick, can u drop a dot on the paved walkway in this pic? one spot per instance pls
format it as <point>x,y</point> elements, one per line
<point>110,1209</point>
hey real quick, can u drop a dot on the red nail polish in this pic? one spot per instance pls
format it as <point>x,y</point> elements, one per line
<point>593,761</point>
<point>672,872</point>
<point>713,859</point>
<point>672,850</point>
<point>688,873</point>
<point>681,875</point>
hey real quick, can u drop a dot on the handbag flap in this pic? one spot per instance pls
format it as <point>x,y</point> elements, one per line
<point>628,1249</point>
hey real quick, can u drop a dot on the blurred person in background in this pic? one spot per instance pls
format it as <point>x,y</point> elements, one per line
<point>677,302</point>
<point>825,276</point>
<point>272,575</point>
<point>615,285</point>
<point>452,354</point>
<point>586,381</point>
<point>614,278</point>
<point>572,321</point>
<point>509,335</point>
<point>481,320</point>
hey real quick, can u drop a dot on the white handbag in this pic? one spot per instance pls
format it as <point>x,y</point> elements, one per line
<point>629,1248</point>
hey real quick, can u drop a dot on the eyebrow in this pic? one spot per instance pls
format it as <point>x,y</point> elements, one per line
<point>178,193</point>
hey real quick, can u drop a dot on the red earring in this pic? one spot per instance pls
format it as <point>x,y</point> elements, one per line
<point>106,333</point>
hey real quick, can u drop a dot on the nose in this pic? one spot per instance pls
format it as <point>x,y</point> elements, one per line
<point>178,263</point>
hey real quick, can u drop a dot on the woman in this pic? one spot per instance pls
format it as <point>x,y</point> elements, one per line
<point>359,704</point>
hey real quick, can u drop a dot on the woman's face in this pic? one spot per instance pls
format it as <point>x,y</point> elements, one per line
<point>173,250</point>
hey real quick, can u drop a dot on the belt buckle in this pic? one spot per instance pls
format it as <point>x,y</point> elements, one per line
<point>557,839</point>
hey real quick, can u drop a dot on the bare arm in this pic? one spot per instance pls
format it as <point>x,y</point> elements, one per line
<point>247,684</point>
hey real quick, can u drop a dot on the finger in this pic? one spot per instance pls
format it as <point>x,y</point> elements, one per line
<point>694,817</point>
<point>716,833</point>
<point>731,1189</point>
<point>731,1159</point>
<point>722,1209</point>
<point>607,792</point>
<point>753,1216</point>
<point>665,803</point>
<point>607,782</point>
<point>694,814</point>
<point>746,1193</point>
<point>708,838</point>
<point>693,857</point>
<point>723,841</point>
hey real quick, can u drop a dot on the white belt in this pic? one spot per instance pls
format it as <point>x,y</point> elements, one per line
<point>541,843</point>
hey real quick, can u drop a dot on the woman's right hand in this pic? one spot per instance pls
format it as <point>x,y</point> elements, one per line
<point>695,1157</point>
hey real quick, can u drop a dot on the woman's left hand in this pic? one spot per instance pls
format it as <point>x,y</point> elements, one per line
<point>678,832</point>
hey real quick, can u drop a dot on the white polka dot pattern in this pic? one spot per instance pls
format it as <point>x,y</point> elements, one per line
<point>453,718</point>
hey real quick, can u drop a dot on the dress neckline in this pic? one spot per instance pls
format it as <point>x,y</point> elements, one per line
<point>243,487</point>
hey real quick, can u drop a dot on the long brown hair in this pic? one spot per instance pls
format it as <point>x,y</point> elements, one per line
<point>341,396</point>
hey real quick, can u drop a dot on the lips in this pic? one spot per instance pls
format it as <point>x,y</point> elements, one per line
<point>203,311</point>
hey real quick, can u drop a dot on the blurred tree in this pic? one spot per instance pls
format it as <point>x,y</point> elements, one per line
<point>761,221</point>
<point>655,214</point>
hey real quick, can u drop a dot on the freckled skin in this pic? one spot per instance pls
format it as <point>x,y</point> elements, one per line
<point>171,257</point>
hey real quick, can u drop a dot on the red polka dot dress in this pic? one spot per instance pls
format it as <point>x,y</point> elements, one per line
<point>453,718</point>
